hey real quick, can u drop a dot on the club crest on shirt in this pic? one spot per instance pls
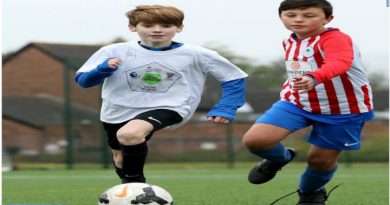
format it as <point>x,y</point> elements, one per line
<point>152,77</point>
<point>295,65</point>
<point>309,52</point>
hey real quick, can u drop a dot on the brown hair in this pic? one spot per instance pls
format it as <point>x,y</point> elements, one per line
<point>303,4</point>
<point>155,14</point>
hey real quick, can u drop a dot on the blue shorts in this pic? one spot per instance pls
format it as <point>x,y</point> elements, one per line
<point>337,132</point>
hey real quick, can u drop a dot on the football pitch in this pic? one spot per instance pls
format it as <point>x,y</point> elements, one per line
<point>194,184</point>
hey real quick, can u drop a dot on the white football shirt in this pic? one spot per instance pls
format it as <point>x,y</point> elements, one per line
<point>147,80</point>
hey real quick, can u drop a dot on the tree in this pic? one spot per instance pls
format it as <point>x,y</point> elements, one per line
<point>270,76</point>
<point>379,81</point>
<point>239,61</point>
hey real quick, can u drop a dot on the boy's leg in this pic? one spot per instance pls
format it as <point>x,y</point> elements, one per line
<point>263,140</point>
<point>135,152</point>
<point>113,143</point>
<point>134,149</point>
<point>134,158</point>
<point>322,164</point>
<point>118,158</point>
<point>328,140</point>
<point>133,136</point>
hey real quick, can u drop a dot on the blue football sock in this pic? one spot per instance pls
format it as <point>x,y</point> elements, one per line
<point>312,181</point>
<point>278,154</point>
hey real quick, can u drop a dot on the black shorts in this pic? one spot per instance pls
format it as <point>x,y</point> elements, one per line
<point>159,118</point>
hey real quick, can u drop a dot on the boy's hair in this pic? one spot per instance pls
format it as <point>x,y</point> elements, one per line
<point>155,14</point>
<point>304,4</point>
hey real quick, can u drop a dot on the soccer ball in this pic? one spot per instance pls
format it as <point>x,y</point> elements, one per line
<point>135,193</point>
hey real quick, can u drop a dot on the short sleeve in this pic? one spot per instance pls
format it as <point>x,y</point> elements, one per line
<point>222,69</point>
<point>96,59</point>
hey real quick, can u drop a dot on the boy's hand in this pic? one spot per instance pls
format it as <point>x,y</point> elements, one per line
<point>221,120</point>
<point>113,62</point>
<point>303,83</point>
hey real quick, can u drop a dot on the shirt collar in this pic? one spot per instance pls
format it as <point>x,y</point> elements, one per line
<point>170,47</point>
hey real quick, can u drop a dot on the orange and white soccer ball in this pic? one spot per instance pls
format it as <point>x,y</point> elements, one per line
<point>135,193</point>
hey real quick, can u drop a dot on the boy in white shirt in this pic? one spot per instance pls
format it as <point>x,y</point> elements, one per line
<point>155,83</point>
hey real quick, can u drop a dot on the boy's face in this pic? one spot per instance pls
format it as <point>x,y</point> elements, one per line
<point>305,22</point>
<point>156,34</point>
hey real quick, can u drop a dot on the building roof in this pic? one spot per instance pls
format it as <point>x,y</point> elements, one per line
<point>44,110</point>
<point>71,54</point>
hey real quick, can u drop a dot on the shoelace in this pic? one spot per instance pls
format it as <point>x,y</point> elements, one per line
<point>326,197</point>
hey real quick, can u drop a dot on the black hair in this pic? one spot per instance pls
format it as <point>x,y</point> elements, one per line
<point>303,4</point>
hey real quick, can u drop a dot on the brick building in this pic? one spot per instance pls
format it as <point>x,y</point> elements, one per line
<point>34,86</point>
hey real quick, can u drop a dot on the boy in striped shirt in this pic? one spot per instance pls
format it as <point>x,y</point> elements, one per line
<point>327,88</point>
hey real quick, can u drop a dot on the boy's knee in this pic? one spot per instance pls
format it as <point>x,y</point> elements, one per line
<point>130,136</point>
<point>255,142</point>
<point>321,164</point>
<point>248,141</point>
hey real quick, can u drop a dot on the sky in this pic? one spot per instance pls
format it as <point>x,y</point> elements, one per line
<point>249,28</point>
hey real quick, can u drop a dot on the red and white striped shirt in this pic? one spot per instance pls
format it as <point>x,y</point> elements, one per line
<point>334,61</point>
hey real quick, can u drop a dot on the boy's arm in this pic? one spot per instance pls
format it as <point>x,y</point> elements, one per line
<point>97,75</point>
<point>233,97</point>
<point>338,59</point>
